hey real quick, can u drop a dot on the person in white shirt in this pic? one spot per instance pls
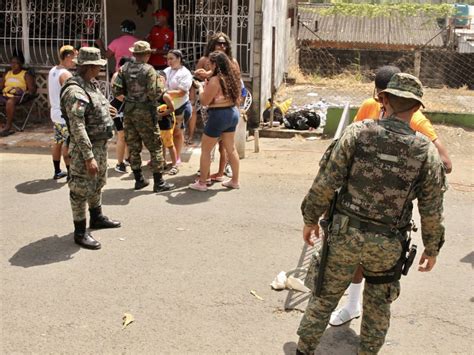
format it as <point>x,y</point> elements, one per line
<point>56,78</point>
<point>178,83</point>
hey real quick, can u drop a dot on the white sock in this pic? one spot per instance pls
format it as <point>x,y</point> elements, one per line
<point>353,299</point>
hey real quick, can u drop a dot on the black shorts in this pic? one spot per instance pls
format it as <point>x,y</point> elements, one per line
<point>118,121</point>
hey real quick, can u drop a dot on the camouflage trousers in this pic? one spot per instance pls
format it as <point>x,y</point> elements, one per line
<point>84,189</point>
<point>140,129</point>
<point>376,253</point>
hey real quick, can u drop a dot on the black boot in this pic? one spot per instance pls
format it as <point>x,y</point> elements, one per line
<point>161,185</point>
<point>99,221</point>
<point>82,237</point>
<point>140,181</point>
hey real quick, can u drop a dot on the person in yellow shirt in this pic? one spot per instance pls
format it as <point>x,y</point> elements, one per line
<point>14,85</point>
<point>372,109</point>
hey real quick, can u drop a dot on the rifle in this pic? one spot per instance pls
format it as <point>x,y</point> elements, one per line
<point>326,222</point>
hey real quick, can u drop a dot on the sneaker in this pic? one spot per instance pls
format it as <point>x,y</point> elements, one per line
<point>342,316</point>
<point>59,175</point>
<point>127,162</point>
<point>121,168</point>
<point>228,171</point>
<point>198,186</point>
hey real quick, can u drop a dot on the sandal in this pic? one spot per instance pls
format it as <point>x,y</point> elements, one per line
<point>198,186</point>
<point>230,185</point>
<point>173,171</point>
<point>218,178</point>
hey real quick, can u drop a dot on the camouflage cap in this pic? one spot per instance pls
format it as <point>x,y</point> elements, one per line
<point>405,85</point>
<point>141,47</point>
<point>89,56</point>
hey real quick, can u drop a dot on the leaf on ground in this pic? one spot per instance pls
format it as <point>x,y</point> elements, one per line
<point>253,293</point>
<point>127,319</point>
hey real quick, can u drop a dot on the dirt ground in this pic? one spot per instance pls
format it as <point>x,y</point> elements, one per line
<point>338,91</point>
<point>184,263</point>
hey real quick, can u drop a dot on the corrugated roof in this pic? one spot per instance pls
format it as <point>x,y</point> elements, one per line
<point>384,30</point>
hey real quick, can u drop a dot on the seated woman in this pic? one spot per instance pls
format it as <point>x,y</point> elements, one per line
<point>15,85</point>
<point>222,96</point>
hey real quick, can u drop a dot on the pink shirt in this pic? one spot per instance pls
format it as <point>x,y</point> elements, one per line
<point>120,46</point>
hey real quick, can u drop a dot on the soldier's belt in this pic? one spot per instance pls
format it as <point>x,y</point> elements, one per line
<point>374,228</point>
<point>140,105</point>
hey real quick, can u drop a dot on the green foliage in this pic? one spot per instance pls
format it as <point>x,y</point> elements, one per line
<point>342,7</point>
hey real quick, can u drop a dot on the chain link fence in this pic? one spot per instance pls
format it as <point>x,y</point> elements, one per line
<point>339,56</point>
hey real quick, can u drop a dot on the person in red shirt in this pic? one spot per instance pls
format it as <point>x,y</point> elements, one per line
<point>161,39</point>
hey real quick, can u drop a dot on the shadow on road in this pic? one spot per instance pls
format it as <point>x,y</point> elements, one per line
<point>469,259</point>
<point>123,196</point>
<point>38,186</point>
<point>45,251</point>
<point>341,340</point>
<point>289,348</point>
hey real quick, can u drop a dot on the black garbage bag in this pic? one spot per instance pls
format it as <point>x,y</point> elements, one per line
<point>277,115</point>
<point>302,120</point>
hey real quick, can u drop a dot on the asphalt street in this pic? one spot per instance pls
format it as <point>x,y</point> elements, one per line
<point>184,264</point>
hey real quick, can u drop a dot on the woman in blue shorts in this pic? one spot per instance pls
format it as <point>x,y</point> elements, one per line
<point>221,94</point>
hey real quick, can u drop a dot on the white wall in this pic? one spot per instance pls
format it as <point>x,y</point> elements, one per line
<point>274,14</point>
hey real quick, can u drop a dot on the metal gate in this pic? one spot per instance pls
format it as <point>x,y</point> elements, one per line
<point>40,27</point>
<point>195,21</point>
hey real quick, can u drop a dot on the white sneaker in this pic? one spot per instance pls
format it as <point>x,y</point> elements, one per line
<point>342,316</point>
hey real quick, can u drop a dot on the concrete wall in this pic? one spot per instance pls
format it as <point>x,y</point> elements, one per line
<point>274,14</point>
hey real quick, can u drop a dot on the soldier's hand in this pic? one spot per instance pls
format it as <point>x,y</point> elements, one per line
<point>426,263</point>
<point>113,111</point>
<point>91,166</point>
<point>310,233</point>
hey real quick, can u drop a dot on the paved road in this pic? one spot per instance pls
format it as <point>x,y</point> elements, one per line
<point>184,264</point>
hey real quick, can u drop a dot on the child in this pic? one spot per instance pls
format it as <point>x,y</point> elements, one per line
<point>166,121</point>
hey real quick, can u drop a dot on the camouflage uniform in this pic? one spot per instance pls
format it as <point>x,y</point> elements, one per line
<point>381,168</point>
<point>90,127</point>
<point>76,102</point>
<point>139,83</point>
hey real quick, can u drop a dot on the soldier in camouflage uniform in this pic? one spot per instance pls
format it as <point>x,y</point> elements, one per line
<point>139,83</point>
<point>381,167</point>
<point>86,111</point>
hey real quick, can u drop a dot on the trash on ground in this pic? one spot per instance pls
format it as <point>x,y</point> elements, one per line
<point>312,94</point>
<point>180,229</point>
<point>122,239</point>
<point>127,319</point>
<point>281,282</point>
<point>253,293</point>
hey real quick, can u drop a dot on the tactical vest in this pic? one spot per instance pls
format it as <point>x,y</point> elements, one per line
<point>99,125</point>
<point>135,81</point>
<point>384,174</point>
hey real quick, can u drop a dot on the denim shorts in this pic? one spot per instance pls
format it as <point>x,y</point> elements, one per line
<point>221,120</point>
<point>183,114</point>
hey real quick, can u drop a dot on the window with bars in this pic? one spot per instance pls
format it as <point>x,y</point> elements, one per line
<point>40,27</point>
<point>196,21</point>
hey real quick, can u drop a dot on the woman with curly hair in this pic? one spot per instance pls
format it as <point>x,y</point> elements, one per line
<point>222,95</point>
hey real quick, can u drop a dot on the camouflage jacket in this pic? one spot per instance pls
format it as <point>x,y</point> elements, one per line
<point>138,82</point>
<point>336,171</point>
<point>87,112</point>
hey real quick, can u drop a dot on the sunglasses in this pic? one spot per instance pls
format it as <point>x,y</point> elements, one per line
<point>221,44</point>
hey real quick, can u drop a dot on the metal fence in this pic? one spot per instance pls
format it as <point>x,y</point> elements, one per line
<point>197,21</point>
<point>39,28</point>
<point>335,48</point>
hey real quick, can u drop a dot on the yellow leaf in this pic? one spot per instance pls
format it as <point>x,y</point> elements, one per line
<point>127,319</point>
<point>252,292</point>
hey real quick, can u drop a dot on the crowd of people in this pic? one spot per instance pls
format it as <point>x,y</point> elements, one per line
<point>379,159</point>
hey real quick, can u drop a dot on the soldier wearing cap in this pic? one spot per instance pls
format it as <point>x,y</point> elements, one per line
<point>86,111</point>
<point>139,83</point>
<point>380,167</point>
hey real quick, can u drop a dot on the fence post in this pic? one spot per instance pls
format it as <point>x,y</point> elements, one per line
<point>417,63</point>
